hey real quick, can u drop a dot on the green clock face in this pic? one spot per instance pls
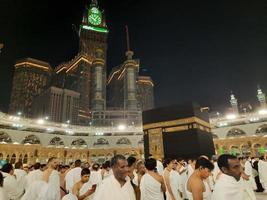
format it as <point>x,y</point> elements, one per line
<point>94,16</point>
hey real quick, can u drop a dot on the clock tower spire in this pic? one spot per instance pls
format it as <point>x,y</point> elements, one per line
<point>93,31</point>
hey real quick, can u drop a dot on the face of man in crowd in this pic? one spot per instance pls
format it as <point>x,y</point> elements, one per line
<point>85,178</point>
<point>54,163</point>
<point>234,169</point>
<point>170,165</point>
<point>120,170</point>
<point>205,173</point>
<point>141,169</point>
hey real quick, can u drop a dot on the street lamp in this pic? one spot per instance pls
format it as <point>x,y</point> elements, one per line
<point>19,113</point>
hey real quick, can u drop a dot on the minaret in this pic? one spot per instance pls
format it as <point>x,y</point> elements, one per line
<point>261,98</point>
<point>131,68</point>
<point>234,104</point>
<point>99,80</point>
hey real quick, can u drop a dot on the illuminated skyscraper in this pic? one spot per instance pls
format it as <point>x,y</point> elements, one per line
<point>30,79</point>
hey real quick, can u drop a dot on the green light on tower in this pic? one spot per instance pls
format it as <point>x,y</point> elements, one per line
<point>97,29</point>
<point>94,16</point>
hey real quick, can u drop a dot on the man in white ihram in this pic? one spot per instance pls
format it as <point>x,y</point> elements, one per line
<point>230,185</point>
<point>262,164</point>
<point>118,185</point>
<point>73,176</point>
<point>48,188</point>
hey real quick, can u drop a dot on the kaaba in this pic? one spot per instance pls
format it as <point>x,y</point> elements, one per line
<point>178,131</point>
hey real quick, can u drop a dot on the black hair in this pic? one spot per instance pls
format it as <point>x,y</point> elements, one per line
<point>115,159</point>
<point>18,165</point>
<point>106,164</point>
<point>43,165</point>
<point>150,163</point>
<point>85,171</point>
<point>131,160</point>
<point>223,160</point>
<point>77,163</point>
<point>204,163</point>
<point>1,179</point>
<point>95,166</point>
<point>167,161</point>
<point>51,159</point>
<point>7,168</point>
<point>37,165</point>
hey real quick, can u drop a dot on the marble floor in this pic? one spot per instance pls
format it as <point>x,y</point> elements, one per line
<point>261,196</point>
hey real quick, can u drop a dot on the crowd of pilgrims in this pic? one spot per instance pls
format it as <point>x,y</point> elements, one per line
<point>227,177</point>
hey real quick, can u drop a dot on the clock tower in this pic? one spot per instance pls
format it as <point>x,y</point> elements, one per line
<point>93,31</point>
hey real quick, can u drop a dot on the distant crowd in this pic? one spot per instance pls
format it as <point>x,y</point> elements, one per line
<point>222,178</point>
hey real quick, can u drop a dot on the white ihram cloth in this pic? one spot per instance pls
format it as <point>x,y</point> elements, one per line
<point>73,176</point>
<point>35,175</point>
<point>86,186</point>
<point>262,166</point>
<point>176,184</point>
<point>226,187</point>
<point>249,171</point>
<point>249,193</point>
<point>215,171</point>
<point>150,188</point>
<point>11,187</point>
<point>206,194</point>
<point>183,181</point>
<point>95,177</point>
<point>21,178</point>
<point>42,190</point>
<point>70,197</point>
<point>160,168</point>
<point>190,171</point>
<point>111,189</point>
<point>3,194</point>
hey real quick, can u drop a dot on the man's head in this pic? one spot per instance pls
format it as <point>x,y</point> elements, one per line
<point>131,165</point>
<point>18,165</point>
<point>204,166</point>
<point>8,168</point>
<point>52,162</point>
<point>85,175</point>
<point>168,163</point>
<point>119,167</point>
<point>230,165</point>
<point>95,166</point>
<point>140,167</point>
<point>151,164</point>
<point>37,165</point>
<point>78,163</point>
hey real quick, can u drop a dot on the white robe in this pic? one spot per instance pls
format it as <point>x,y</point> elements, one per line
<point>35,175</point>
<point>160,168</point>
<point>85,188</point>
<point>190,171</point>
<point>248,191</point>
<point>69,197</point>
<point>21,177</point>
<point>183,181</point>
<point>226,188</point>
<point>215,171</point>
<point>3,194</point>
<point>95,177</point>
<point>11,187</point>
<point>248,171</point>
<point>72,177</point>
<point>110,189</point>
<point>176,185</point>
<point>150,188</point>
<point>42,190</point>
<point>263,173</point>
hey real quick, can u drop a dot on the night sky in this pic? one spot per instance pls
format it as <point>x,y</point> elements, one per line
<point>193,50</point>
